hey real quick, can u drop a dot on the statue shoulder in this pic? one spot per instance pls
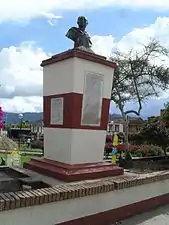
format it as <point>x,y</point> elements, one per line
<point>72,33</point>
<point>73,30</point>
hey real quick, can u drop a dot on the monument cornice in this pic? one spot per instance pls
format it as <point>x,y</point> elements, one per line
<point>78,53</point>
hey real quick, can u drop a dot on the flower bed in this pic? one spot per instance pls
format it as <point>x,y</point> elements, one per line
<point>136,150</point>
<point>143,158</point>
<point>141,150</point>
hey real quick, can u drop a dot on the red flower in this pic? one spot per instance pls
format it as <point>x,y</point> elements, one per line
<point>124,147</point>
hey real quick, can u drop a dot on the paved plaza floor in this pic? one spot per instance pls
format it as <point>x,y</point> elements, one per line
<point>158,216</point>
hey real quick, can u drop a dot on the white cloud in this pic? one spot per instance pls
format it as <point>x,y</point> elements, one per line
<point>158,30</point>
<point>21,75</point>
<point>17,10</point>
<point>22,104</point>
<point>24,10</point>
<point>139,36</point>
<point>135,39</point>
<point>103,45</point>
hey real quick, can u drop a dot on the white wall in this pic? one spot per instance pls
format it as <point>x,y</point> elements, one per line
<point>53,213</point>
<point>57,142</point>
<point>66,145</point>
<point>73,145</point>
<point>58,78</point>
<point>87,146</point>
<point>83,66</point>
<point>69,75</point>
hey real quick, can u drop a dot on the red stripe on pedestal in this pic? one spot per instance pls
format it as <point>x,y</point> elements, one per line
<point>115,215</point>
<point>72,112</point>
<point>70,173</point>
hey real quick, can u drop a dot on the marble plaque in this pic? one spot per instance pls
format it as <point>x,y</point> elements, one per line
<point>56,117</point>
<point>92,99</point>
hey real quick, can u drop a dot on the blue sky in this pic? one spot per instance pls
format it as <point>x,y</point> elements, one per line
<point>27,37</point>
<point>112,20</point>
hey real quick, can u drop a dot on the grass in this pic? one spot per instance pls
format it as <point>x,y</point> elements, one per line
<point>24,158</point>
<point>24,146</point>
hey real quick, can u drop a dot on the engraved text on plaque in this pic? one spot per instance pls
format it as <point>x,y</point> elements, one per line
<point>56,117</point>
<point>92,99</point>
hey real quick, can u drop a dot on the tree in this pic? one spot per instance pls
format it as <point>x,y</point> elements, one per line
<point>155,131</point>
<point>139,76</point>
<point>164,118</point>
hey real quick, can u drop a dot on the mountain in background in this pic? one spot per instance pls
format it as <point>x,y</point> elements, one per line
<point>12,118</point>
<point>118,116</point>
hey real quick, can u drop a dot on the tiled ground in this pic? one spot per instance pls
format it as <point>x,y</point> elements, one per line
<point>159,216</point>
<point>127,176</point>
<point>49,180</point>
<point>60,191</point>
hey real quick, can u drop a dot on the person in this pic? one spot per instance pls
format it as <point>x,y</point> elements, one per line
<point>29,142</point>
<point>3,163</point>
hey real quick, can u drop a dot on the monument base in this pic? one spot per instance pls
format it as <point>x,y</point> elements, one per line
<point>70,173</point>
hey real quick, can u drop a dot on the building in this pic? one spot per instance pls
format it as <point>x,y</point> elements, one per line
<point>135,124</point>
<point>116,124</point>
<point>36,130</point>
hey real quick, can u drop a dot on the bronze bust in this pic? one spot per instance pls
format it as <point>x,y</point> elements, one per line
<point>79,35</point>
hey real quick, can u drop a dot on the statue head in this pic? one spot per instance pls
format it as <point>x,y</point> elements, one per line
<point>82,22</point>
<point>78,34</point>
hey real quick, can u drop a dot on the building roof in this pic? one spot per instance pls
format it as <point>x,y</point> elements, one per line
<point>17,128</point>
<point>132,120</point>
<point>136,121</point>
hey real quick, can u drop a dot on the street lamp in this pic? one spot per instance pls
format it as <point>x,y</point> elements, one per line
<point>20,116</point>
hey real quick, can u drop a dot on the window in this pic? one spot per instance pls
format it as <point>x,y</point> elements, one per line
<point>137,128</point>
<point>116,128</point>
<point>110,127</point>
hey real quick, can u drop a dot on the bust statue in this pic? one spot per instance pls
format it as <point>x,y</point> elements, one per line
<point>79,35</point>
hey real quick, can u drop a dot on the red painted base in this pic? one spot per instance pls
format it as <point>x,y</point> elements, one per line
<point>115,215</point>
<point>76,172</point>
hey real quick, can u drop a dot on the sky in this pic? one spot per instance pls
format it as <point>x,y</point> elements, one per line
<point>33,30</point>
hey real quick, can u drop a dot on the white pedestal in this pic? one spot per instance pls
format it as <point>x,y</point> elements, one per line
<point>76,104</point>
<point>77,89</point>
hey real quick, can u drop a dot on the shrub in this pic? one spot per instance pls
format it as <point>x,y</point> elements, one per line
<point>142,150</point>
<point>150,150</point>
